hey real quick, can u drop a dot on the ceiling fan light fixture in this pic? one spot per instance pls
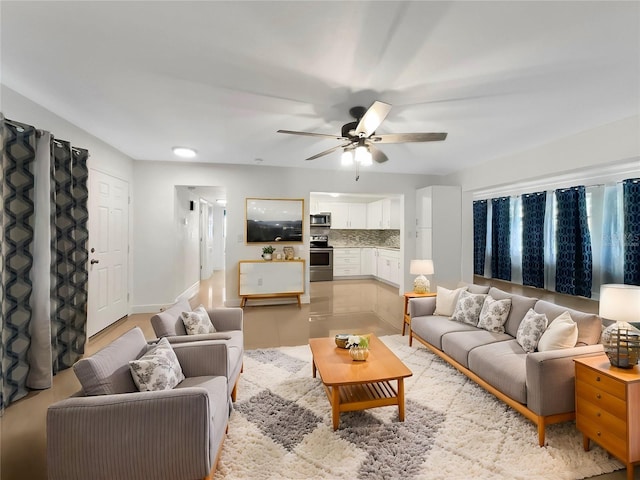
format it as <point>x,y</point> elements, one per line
<point>347,158</point>
<point>363,156</point>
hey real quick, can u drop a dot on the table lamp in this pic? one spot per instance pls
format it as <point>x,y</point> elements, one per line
<point>421,268</point>
<point>621,340</point>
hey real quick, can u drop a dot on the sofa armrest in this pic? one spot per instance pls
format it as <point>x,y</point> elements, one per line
<point>206,358</point>
<point>551,379</point>
<point>162,434</point>
<point>196,338</point>
<point>226,318</point>
<point>422,306</point>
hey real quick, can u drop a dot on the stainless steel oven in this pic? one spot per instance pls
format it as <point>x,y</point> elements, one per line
<point>320,264</point>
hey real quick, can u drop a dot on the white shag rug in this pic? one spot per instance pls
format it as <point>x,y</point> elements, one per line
<point>281,429</point>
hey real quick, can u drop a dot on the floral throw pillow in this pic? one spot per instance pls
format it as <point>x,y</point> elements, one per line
<point>158,369</point>
<point>531,329</point>
<point>197,322</point>
<point>468,308</point>
<point>494,314</point>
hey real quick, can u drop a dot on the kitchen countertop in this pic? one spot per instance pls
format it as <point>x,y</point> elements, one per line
<point>366,246</point>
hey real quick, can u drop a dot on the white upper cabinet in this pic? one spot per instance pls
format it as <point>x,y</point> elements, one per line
<point>346,215</point>
<point>374,215</point>
<point>384,214</point>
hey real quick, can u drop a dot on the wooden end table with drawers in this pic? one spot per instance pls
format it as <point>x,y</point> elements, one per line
<point>407,295</point>
<point>607,408</point>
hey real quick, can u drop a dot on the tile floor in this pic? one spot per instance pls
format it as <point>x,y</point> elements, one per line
<point>340,306</point>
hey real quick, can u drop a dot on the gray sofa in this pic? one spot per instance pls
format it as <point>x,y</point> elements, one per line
<point>110,430</point>
<point>228,323</point>
<point>539,385</point>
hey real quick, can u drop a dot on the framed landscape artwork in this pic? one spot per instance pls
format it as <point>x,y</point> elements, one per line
<point>270,220</point>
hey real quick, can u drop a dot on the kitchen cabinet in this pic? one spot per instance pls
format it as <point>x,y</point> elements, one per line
<point>368,261</point>
<point>384,214</point>
<point>388,265</point>
<point>346,262</point>
<point>346,216</point>
<point>439,232</point>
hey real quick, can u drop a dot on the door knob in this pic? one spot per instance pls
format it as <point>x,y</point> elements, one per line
<point>94,261</point>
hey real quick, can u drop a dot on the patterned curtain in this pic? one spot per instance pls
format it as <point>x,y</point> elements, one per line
<point>43,297</point>
<point>18,155</point>
<point>500,238</point>
<point>631,206</point>
<point>573,243</point>
<point>533,208</point>
<point>479,235</point>
<point>69,249</point>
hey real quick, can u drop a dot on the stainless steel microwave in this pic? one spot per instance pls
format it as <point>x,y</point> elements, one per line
<point>322,219</point>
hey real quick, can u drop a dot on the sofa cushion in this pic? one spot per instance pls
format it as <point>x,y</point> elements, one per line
<point>520,305</point>
<point>158,369</point>
<point>432,328</point>
<point>531,329</point>
<point>589,324</point>
<point>468,308</point>
<point>458,344</point>
<point>446,300</point>
<point>494,314</point>
<point>561,333</point>
<point>197,322</point>
<point>503,365</point>
<point>169,322</point>
<point>107,371</point>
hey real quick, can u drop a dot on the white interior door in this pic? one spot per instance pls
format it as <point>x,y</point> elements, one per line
<point>108,251</point>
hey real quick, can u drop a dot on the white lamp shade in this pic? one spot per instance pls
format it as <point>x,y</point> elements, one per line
<point>620,302</point>
<point>347,158</point>
<point>421,267</point>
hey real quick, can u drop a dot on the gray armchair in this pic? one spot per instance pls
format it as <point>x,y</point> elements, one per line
<point>228,323</point>
<point>110,430</point>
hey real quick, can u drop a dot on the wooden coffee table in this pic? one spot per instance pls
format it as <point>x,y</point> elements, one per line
<point>352,385</point>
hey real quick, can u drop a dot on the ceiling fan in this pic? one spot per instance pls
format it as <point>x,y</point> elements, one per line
<point>359,137</point>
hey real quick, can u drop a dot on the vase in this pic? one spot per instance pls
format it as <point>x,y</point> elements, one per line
<point>359,354</point>
<point>267,256</point>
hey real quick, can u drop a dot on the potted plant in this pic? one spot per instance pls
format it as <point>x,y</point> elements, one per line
<point>267,252</point>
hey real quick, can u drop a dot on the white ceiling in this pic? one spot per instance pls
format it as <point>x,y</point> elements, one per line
<point>222,77</point>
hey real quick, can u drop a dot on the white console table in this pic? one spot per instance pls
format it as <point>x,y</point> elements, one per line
<point>270,279</point>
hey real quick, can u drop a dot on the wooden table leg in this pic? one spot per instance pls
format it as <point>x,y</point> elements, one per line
<point>313,367</point>
<point>335,406</point>
<point>401,399</point>
<point>404,326</point>
<point>585,442</point>
<point>630,471</point>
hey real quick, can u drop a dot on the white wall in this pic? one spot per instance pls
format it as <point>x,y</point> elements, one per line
<point>608,153</point>
<point>157,257</point>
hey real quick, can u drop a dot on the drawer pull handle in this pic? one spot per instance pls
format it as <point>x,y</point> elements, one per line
<point>599,434</point>
<point>598,414</point>
<point>597,379</point>
<point>598,396</point>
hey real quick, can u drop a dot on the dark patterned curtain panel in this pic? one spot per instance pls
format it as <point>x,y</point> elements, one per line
<point>17,186</point>
<point>69,253</point>
<point>500,238</point>
<point>533,207</point>
<point>631,207</point>
<point>573,243</point>
<point>479,235</point>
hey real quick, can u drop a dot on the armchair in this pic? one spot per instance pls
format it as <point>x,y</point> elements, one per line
<point>228,323</point>
<point>110,430</point>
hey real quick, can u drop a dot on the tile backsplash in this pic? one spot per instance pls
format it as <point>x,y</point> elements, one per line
<point>364,238</point>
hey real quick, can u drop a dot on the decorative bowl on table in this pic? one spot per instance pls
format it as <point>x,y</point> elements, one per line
<point>341,339</point>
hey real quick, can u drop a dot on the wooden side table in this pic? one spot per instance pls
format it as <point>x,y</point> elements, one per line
<point>607,412</point>
<point>407,296</point>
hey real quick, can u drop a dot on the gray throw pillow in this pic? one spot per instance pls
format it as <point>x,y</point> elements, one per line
<point>197,322</point>
<point>158,369</point>
<point>531,329</point>
<point>494,314</point>
<point>468,308</point>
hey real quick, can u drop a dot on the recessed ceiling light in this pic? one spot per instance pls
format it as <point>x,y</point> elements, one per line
<point>184,152</point>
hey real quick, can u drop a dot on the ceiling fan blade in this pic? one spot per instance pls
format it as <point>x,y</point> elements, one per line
<point>372,118</point>
<point>377,154</point>
<point>327,152</point>
<point>408,137</point>
<point>311,134</point>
